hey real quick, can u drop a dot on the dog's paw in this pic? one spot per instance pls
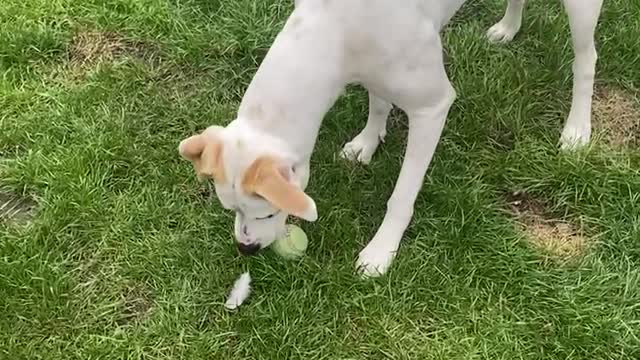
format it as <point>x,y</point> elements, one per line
<point>362,147</point>
<point>376,258</point>
<point>502,32</point>
<point>574,137</point>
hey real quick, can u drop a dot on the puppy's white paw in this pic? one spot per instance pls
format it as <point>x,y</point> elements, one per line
<point>376,258</point>
<point>502,32</point>
<point>362,147</point>
<point>574,137</point>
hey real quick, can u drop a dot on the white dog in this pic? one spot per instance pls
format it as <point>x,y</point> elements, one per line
<point>260,161</point>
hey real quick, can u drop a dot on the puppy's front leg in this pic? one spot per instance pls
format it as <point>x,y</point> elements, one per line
<point>425,127</point>
<point>364,145</point>
<point>508,27</point>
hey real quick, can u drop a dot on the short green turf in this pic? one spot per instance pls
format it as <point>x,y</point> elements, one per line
<point>127,256</point>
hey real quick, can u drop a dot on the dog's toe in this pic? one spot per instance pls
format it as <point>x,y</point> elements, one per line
<point>360,149</point>
<point>575,137</point>
<point>351,152</point>
<point>502,32</point>
<point>375,259</point>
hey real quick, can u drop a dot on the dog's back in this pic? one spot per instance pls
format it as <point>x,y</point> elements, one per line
<point>384,12</point>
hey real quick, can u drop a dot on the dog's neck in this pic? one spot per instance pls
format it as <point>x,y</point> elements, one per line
<point>290,94</point>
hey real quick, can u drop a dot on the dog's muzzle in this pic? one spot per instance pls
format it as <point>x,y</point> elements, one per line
<point>248,249</point>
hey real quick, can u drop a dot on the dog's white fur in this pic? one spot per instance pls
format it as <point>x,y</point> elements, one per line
<point>394,50</point>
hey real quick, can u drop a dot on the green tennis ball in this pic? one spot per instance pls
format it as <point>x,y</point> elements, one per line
<point>293,245</point>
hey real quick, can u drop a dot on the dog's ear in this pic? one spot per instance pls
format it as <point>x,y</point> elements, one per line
<point>270,179</point>
<point>205,153</point>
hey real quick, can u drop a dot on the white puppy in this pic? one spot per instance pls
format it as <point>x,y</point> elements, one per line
<point>260,161</point>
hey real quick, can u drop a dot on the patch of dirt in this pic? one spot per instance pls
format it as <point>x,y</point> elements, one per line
<point>616,116</point>
<point>15,208</point>
<point>557,239</point>
<point>88,48</point>
<point>137,303</point>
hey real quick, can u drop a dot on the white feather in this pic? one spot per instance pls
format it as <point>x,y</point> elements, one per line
<point>240,291</point>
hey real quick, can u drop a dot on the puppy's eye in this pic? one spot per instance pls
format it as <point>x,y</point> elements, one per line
<point>270,216</point>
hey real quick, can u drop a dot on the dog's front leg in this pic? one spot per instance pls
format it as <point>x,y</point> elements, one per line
<point>425,127</point>
<point>508,27</point>
<point>364,145</point>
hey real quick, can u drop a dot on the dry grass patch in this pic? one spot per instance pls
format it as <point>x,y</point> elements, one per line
<point>89,48</point>
<point>557,239</point>
<point>137,303</point>
<point>15,208</point>
<point>616,116</point>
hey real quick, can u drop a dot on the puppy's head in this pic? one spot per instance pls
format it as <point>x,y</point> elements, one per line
<point>253,178</point>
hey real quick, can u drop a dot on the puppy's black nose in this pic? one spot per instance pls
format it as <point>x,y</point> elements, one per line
<point>248,249</point>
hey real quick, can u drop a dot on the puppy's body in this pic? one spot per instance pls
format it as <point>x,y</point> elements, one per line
<point>260,161</point>
<point>324,46</point>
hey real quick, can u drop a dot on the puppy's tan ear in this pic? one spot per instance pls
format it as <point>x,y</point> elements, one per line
<point>267,177</point>
<point>205,154</point>
<point>191,147</point>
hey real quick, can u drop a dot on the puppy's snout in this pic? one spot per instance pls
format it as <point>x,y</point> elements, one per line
<point>248,249</point>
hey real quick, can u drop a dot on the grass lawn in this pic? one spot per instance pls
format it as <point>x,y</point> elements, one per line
<point>111,249</point>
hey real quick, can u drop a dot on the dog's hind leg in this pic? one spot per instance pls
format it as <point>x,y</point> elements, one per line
<point>362,147</point>
<point>508,27</point>
<point>583,18</point>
